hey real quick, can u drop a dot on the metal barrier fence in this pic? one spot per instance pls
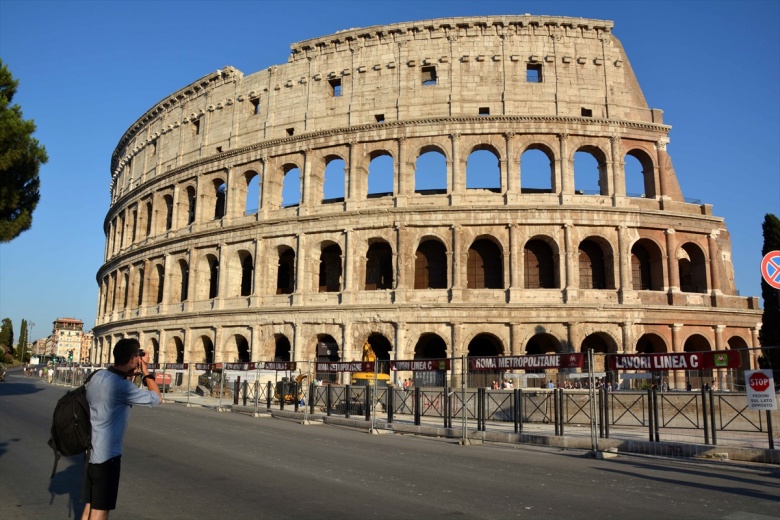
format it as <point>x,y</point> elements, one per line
<point>659,408</point>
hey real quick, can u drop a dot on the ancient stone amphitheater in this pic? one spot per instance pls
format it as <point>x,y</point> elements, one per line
<point>441,188</point>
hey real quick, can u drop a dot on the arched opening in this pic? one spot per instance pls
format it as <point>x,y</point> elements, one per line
<point>542,343</point>
<point>206,351</point>
<point>333,184</point>
<point>483,170</point>
<point>168,200</point>
<point>252,198</point>
<point>213,273</point>
<point>380,175</point>
<point>159,284</point>
<point>430,346</point>
<point>593,267</point>
<point>697,378</point>
<point>646,266</point>
<point>285,272</point>
<point>220,203</point>
<point>693,269</point>
<point>330,269</point>
<point>430,172</point>
<point>291,187</point>
<point>590,172</point>
<point>539,265</point>
<point>327,352</point>
<point>484,345</point>
<point>639,174</point>
<point>430,265</point>
<point>650,344</point>
<point>485,265</point>
<point>191,198</point>
<point>537,170</point>
<point>154,349</point>
<point>381,347</point>
<point>735,377</point>
<point>242,348</point>
<point>247,273</point>
<point>379,266</point>
<point>139,287</point>
<point>601,344</point>
<point>282,348</point>
<point>184,280</point>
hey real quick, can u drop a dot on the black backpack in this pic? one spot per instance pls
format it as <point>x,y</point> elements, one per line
<point>71,428</point>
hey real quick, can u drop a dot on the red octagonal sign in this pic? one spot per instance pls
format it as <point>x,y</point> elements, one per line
<point>759,382</point>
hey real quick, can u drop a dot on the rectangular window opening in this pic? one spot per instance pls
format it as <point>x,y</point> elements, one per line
<point>255,105</point>
<point>290,131</point>
<point>428,76</point>
<point>533,73</point>
<point>195,127</point>
<point>219,149</point>
<point>335,85</point>
<point>484,111</point>
<point>380,118</point>
<point>586,112</point>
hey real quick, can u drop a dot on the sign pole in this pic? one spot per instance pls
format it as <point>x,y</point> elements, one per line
<point>463,395</point>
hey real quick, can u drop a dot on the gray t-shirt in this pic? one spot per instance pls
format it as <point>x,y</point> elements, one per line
<point>110,397</point>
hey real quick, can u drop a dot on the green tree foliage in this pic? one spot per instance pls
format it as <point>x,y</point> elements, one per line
<point>770,327</point>
<point>7,336</point>
<point>20,159</point>
<point>21,347</point>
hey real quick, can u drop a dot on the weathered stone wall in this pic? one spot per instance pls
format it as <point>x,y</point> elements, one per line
<point>203,261</point>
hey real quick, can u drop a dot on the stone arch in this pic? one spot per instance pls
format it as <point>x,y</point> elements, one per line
<point>537,169</point>
<point>692,266</point>
<point>236,349</point>
<point>327,352</point>
<point>379,265</point>
<point>291,185</point>
<point>203,350</point>
<point>430,265</point>
<point>153,347</point>
<point>430,171</point>
<point>540,263</point>
<point>643,173</point>
<point>583,159</point>
<point>187,206</point>
<point>602,344</point>
<point>285,270</point>
<point>735,377</point>
<point>647,266</point>
<point>248,192</point>
<point>484,345</point>
<point>330,267</point>
<point>207,277</point>
<point>333,179</point>
<point>485,264</point>
<point>697,343</point>
<point>380,177</point>
<point>481,173</point>
<point>596,270</point>
<point>651,343</point>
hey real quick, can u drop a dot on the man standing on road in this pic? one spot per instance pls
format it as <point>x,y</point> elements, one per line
<point>110,395</point>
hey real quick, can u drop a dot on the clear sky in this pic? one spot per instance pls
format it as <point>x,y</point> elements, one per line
<point>88,70</point>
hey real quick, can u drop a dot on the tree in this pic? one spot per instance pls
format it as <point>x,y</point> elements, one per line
<point>20,159</point>
<point>21,347</point>
<point>770,327</point>
<point>7,336</point>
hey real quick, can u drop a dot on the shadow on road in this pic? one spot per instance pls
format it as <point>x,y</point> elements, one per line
<point>68,482</point>
<point>13,388</point>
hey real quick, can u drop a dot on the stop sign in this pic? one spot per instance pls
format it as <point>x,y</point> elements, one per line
<point>758,382</point>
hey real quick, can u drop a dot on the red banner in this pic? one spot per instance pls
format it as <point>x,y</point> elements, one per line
<point>675,361</point>
<point>354,366</point>
<point>547,361</point>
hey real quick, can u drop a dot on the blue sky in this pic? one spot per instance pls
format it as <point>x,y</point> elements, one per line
<point>88,70</point>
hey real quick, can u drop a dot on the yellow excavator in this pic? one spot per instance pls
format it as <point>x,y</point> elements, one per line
<point>367,378</point>
<point>286,388</point>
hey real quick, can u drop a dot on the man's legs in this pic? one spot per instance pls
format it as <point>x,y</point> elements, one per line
<point>102,489</point>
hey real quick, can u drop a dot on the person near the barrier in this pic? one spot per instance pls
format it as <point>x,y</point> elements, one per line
<point>110,395</point>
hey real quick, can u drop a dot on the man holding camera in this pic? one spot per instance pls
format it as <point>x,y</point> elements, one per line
<point>110,394</point>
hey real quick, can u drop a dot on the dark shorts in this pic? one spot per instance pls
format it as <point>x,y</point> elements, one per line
<point>102,484</point>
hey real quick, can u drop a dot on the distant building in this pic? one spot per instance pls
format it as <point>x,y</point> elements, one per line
<point>67,339</point>
<point>87,338</point>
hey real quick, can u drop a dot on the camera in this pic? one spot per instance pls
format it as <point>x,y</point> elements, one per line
<point>142,353</point>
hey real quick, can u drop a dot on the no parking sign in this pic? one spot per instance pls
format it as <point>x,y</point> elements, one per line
<point>770,268</point>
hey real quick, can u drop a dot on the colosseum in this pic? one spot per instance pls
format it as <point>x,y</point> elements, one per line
<point>443,188</point>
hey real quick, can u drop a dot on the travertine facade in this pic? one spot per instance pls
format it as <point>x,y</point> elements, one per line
<point>299,211</point>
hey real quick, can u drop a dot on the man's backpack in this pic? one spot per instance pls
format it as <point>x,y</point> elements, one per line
<point>71,428</point>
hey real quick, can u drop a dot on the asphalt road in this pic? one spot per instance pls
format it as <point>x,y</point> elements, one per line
<point>194,463</point>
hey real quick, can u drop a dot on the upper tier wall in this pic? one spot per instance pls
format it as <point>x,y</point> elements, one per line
<point>454,67</point>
